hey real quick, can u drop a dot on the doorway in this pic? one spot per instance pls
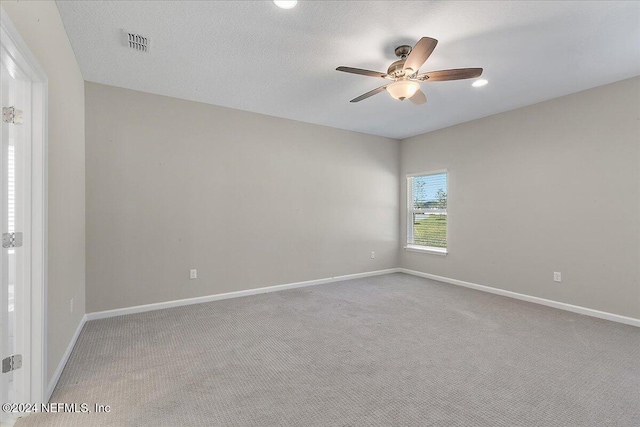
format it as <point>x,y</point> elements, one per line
<point>23,89</point>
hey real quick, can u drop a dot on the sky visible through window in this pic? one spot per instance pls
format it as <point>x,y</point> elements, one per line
<point>425,188</point>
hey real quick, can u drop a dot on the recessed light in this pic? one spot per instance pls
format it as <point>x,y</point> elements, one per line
<point>286,4</point>
<point>480,83</point>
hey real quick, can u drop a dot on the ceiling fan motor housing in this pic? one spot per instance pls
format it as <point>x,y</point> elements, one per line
<point>396,69</point>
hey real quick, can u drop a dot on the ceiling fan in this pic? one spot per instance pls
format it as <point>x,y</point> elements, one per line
<point>404,73</point>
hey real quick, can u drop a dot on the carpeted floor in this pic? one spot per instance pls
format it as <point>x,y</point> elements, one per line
<point>393,350</point>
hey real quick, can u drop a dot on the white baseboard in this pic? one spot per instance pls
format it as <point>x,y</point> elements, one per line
<point>63,361</point>
<point>550,303</point>
<point>198,300</point>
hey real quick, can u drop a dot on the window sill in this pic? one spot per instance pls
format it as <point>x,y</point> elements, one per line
<point>426,249</point>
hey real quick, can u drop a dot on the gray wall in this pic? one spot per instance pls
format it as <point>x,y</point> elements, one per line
<point>551,187</point>
<point>247,199</point>
<point>41,28</point>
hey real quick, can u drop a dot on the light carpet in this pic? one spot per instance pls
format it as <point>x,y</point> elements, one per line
<point>392,350</point>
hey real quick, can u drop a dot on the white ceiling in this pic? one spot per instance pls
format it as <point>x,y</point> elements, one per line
<point>256,57</point>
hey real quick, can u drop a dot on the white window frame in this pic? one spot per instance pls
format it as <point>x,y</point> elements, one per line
<point>410,211</point>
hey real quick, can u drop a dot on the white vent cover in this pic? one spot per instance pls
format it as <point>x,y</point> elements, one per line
<point>136,41</point>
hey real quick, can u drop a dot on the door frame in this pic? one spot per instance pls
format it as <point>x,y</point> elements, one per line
<point>35,316</point>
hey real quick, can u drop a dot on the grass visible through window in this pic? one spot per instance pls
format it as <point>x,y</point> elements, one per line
<point>430,231</point>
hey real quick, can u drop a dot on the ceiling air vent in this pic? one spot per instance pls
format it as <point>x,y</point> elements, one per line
<point>136,41</point>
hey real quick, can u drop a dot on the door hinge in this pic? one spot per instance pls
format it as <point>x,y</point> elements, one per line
<point>11,240</point>
<point>11,363</point>
<point>12,115</point>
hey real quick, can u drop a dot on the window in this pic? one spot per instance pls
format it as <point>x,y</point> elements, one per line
<point>427,212</point>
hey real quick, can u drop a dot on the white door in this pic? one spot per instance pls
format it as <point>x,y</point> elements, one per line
<point>15,99</point>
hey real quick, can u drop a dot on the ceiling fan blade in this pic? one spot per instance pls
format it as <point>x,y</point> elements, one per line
<point>456,74</point>
<point>419,97</point>
<point>368,94</point>
<point>362,72</point>
<point>420,53</point>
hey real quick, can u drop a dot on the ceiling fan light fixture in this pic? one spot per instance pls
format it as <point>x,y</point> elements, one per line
<point>480,83</point>
<point>403,89</point>
<point>286,4</point>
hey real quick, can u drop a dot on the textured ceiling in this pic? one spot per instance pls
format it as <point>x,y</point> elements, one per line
<point>256,57</point>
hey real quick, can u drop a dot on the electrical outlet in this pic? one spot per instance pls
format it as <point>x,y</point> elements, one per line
<point>373,255</point>
<point>71,305</point>
<point>557,276</point>
<point>193,274</point>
